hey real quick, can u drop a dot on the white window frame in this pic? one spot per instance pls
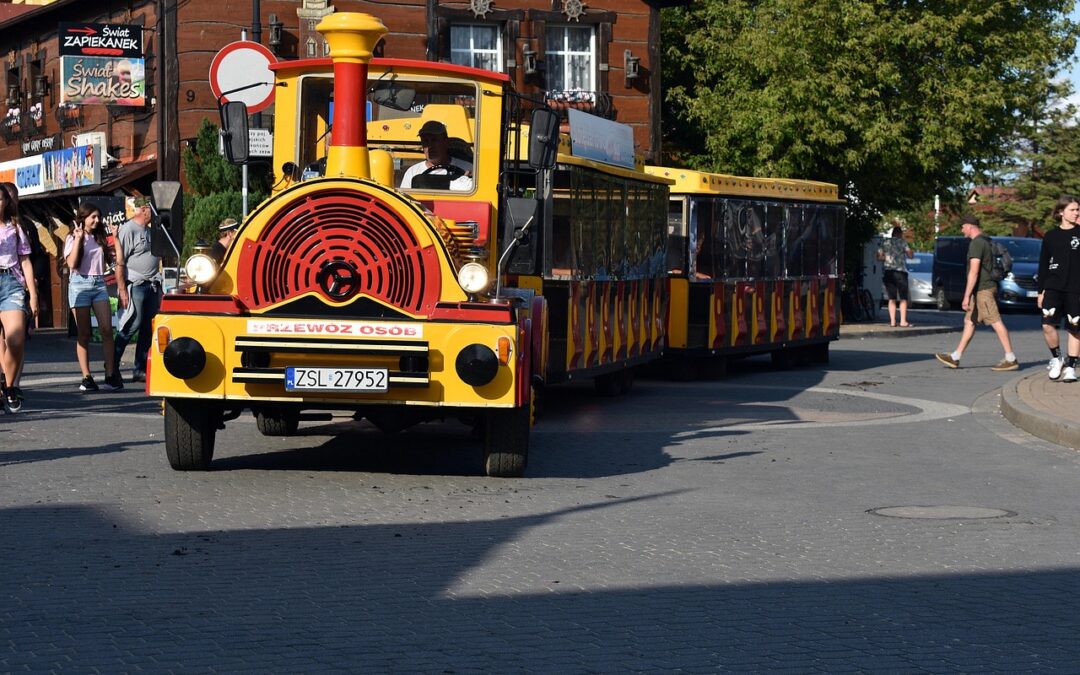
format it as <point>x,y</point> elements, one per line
<point>566,53</point>
<point>472,50</point>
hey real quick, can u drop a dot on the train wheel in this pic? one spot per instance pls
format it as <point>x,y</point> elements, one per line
<point>190,427</point>
<point>819,353</point>
<point>506,441</point>
<point>277,422</point>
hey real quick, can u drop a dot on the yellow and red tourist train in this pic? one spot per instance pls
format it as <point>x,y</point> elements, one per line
<point>754,269</point>
<point>362,284</point>
<point>403,283</point>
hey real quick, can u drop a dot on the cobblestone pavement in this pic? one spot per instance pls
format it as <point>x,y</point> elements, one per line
<point>692,527</point>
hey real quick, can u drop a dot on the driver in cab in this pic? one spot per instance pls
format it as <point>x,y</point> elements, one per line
<point>438,163</point>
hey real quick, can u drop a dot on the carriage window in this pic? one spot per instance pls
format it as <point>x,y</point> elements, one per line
<point>793,218</point>
<point>676,243</point>
<point>703,249</point>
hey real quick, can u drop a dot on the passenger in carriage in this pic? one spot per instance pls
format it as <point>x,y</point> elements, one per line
<point>438,170</point>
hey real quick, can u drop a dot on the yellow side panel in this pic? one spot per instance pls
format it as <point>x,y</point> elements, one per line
<point>678,316</point>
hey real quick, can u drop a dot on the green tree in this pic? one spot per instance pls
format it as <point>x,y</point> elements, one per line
<point>215,188</point>
<point>893,100</point>
<point>1044,165</point>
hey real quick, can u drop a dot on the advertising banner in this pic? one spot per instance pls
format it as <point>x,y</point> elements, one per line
<point>36,146</point>
<point>100,39</point>
<point>90,80</point>
<point>27,174</point>
<point>102,63</point>
<point>114,210</point>
<point>72,167</point>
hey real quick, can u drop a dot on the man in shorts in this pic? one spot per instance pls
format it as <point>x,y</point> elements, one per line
<point>980,302</point>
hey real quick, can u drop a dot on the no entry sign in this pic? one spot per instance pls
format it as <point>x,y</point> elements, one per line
<point>241,71</point>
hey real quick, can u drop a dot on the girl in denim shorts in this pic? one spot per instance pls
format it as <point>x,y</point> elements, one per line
<point>88,255</point>
<point>16,282</point>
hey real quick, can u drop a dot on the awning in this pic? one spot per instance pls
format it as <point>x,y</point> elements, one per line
<point>111,179</point>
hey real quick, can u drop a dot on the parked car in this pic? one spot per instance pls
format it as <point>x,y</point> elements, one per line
<point>1018,290</point>
<point>921,279</point>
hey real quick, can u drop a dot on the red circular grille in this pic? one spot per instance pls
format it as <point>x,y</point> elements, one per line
<point>345,226</point>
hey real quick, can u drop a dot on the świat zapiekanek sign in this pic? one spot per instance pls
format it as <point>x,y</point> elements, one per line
<point>102,63</point>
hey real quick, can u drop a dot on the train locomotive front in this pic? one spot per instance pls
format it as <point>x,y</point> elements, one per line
<point>344,292</point>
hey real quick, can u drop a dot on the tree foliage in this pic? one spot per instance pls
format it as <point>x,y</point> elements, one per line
<point>1045,164</point>
<point>891,99</point>
<point>215,188</point>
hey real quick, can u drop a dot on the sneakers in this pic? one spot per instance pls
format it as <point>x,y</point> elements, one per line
<point>13,399</point>
<point>114,381</point>
<point>948,360</point>
<point>1069,375</point>
<point>1055,366</point>
<point>88,384</point>
<point>138,376</point>
<point>1004,365</point>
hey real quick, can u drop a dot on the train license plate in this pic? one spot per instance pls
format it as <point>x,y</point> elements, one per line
<point>336,379</point>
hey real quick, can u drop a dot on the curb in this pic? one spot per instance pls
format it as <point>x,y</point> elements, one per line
<point>888,331</point>
<point>1046,426</point>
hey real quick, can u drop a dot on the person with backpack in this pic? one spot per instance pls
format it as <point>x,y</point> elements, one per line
<point>1059,287</point>
<point>980,302</point>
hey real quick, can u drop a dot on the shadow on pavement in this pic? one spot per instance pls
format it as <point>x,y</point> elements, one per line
<point>83,591</point>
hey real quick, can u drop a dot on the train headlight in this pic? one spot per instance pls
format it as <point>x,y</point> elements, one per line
<point>473,277</point>
<point>201,269</point>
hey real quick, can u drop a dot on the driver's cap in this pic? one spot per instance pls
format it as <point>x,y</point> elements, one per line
<point>432,128</point>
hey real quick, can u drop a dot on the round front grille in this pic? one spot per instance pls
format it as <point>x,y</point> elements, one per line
<point>341,235</point>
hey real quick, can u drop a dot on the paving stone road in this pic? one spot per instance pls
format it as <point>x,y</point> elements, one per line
<point>689,527</point>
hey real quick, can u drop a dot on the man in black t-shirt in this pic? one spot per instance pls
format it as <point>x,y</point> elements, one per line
<point>1059,287</point>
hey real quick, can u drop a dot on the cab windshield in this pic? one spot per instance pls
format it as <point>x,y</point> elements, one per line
<point>397,109</point>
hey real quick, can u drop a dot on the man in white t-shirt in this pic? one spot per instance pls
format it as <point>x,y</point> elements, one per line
<point>438,162</point>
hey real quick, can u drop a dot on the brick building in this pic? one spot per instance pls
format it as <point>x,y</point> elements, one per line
<point>600,56</point>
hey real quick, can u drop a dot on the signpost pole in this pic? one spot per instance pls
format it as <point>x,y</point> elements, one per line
<point>244,169</point>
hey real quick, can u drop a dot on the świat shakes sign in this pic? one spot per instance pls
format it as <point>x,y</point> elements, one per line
<point>102,63</point>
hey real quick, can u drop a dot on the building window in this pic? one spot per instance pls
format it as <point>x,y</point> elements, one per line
<point>570,53</point>
<point>326,48</point>
<point>476,45</point>
<point>311,47</point>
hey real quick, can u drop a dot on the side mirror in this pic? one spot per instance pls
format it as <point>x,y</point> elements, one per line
<point>543,138</point>
<point>234,131</point>
<point>389,95</point>
<point>167,238</point>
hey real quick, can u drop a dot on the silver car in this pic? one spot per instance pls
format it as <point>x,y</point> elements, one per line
<point>921,279</point>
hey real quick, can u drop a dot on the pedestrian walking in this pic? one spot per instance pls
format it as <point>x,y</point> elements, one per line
<point>895,252</point>
<point>16,283</point>
<point>980,303</point>
<point>86,252</point>
<point>138,278</point>
<point>1059,287</point>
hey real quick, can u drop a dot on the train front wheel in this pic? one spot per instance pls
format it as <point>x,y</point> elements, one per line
<point>506,440</point>
<point>190,430</point>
